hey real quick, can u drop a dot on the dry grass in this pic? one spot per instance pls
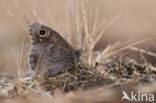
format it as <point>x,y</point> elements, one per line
<point>83,28</point>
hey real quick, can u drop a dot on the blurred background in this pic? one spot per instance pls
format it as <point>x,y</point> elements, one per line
<point>137,21</point>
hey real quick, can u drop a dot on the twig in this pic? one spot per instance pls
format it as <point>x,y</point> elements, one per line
<point>143,51</point>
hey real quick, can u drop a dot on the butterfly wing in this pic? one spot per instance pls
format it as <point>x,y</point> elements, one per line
<point>56,60</point>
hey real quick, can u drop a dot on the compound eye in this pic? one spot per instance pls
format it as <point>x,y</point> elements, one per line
<point>42,33</point>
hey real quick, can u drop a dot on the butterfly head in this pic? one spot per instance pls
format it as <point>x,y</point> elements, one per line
<point>39,33</point>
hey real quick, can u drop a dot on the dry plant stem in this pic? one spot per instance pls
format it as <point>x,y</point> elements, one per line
<point>19,68</point>
<point>72,6</point>
<point>15,17</point>
<point>90,56</point>
<point>32,5</point>
<point>27,20</point>
<point>90,43</point>
<point>80,44</point>
<point>89,47</point>
<point>153,68</point>
<point>95,21</point>
<point>78,25</point>
<point>143,51</point>
<point>103,30</point>
<point>125,47</point>
<point>108,49</point>
<point>119,45</point>
<point>65,84</point>
<point>99,57</point>
<point>94,42</point>
<point>68,24</point>
<point>116,45</point>
<point>49,18</point>
<point>36,13</point>
<point>85,21</point>
<point>21,54</point>
<point>19,7</point>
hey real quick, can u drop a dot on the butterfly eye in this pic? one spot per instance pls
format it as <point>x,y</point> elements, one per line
<point>42,32</point>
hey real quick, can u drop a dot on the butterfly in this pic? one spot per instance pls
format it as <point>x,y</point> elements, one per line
<point>50,53</point>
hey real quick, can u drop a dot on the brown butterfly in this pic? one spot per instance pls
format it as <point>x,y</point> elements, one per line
<point>50,53</point>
